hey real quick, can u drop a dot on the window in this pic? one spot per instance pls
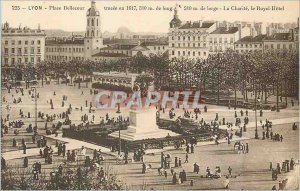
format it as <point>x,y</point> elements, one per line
<point>19,42</point>
<point>39,50</point>
<point>32,50</point>
<point>6,42</point>
<point>199,38</point>
<point>266,46</point>
<point>184,38</point>
<point>231,40</point>
<point>215,40</point>
<point>272,46</point>
<point>179,38</point>
<point>19,60</point>
<point>12,42</point>
<point>26,42</point>
<point>193,53</point>
<point>183,52</point>
<point>173,53</point>
<point>178,44</point>
<point>12,50</point>
<point>6,61</point>
<point>172,37</point>
<point>204,44</point>
<point>19,50</point>
<point>39,42</point>
<point>178,53</point>
<point>32,59</point>
<point>199,53</point>
<point>284,46</point>
<point>255,45</point>
<point>32,42</point>
<point>220,40</point>
<point>194,45</point>
<point>189,53</point>
<point>6,51</point>
<point>194,38</point>
<point>198,44</point>
<point>13,61</point>
<point>173,45</point>
<point>290,46</point>
<point>189,38</point>
<point>204,53</point>
<point>159,48</point>
<point>26,60</point>
<point>38,59</point>
<point>154,48</point>
<point>278,46</point>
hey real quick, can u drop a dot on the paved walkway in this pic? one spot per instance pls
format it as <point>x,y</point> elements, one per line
<point>274,122</point>
<point>203,143</point>
<point>76,144</point>
<point>71,144</point>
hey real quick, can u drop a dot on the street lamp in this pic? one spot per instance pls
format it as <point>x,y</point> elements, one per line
<point>33,88</point>
<point>255,99</point>
<point>120,123</point>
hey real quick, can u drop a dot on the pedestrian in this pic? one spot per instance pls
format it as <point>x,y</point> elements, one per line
<point>229,171</point>
<point>186,158</point>
<point>25,165</point>
<point>179,162</point>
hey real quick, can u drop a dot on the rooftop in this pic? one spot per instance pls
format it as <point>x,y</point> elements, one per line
<point>155,43</point>
<point>119,47</point>
<point>189,25</point>
<point>106,54</point>
<point>65,41</point>
<point>258,38</point>
<point>224,30</point>
<point>279,36</point>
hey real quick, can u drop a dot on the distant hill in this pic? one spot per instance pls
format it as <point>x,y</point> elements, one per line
<point>106,34</point>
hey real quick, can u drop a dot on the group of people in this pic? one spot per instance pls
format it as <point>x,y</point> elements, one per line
<point>241,148</point>
<point>286,167</point>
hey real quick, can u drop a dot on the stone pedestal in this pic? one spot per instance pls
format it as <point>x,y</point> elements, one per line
<point>142,125</point>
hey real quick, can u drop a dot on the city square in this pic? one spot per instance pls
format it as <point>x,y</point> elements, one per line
<point>193,105</point>
<point>251,170</point>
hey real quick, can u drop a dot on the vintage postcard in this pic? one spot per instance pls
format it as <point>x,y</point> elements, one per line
<point>149,95</point>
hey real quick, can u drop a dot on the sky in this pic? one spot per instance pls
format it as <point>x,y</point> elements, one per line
<point>141,21</point>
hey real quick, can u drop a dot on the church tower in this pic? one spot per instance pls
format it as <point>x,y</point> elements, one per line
<point>93,40</point>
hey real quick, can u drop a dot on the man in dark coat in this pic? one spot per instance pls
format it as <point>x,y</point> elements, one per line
<point>25,165</point>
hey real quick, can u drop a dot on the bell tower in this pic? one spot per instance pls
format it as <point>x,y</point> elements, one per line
<point>93,40</point>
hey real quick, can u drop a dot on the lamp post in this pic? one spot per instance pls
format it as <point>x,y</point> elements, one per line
<point>255,100</point>
<point>35,104</point>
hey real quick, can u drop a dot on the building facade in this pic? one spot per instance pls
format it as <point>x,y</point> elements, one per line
<point>78,48</point>
<point>189,40</point>
<point>22,45</point>
<point>222,39</point>
<point>279,41</point>
<point>64,50</point>
<point>250,44</point>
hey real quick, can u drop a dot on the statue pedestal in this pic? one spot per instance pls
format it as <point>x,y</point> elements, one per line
<point>142,125</point>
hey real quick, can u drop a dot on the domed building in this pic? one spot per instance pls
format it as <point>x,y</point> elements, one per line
<point>175,22</point>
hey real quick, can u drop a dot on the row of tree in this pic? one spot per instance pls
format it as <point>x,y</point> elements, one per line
<point>269,73</point>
